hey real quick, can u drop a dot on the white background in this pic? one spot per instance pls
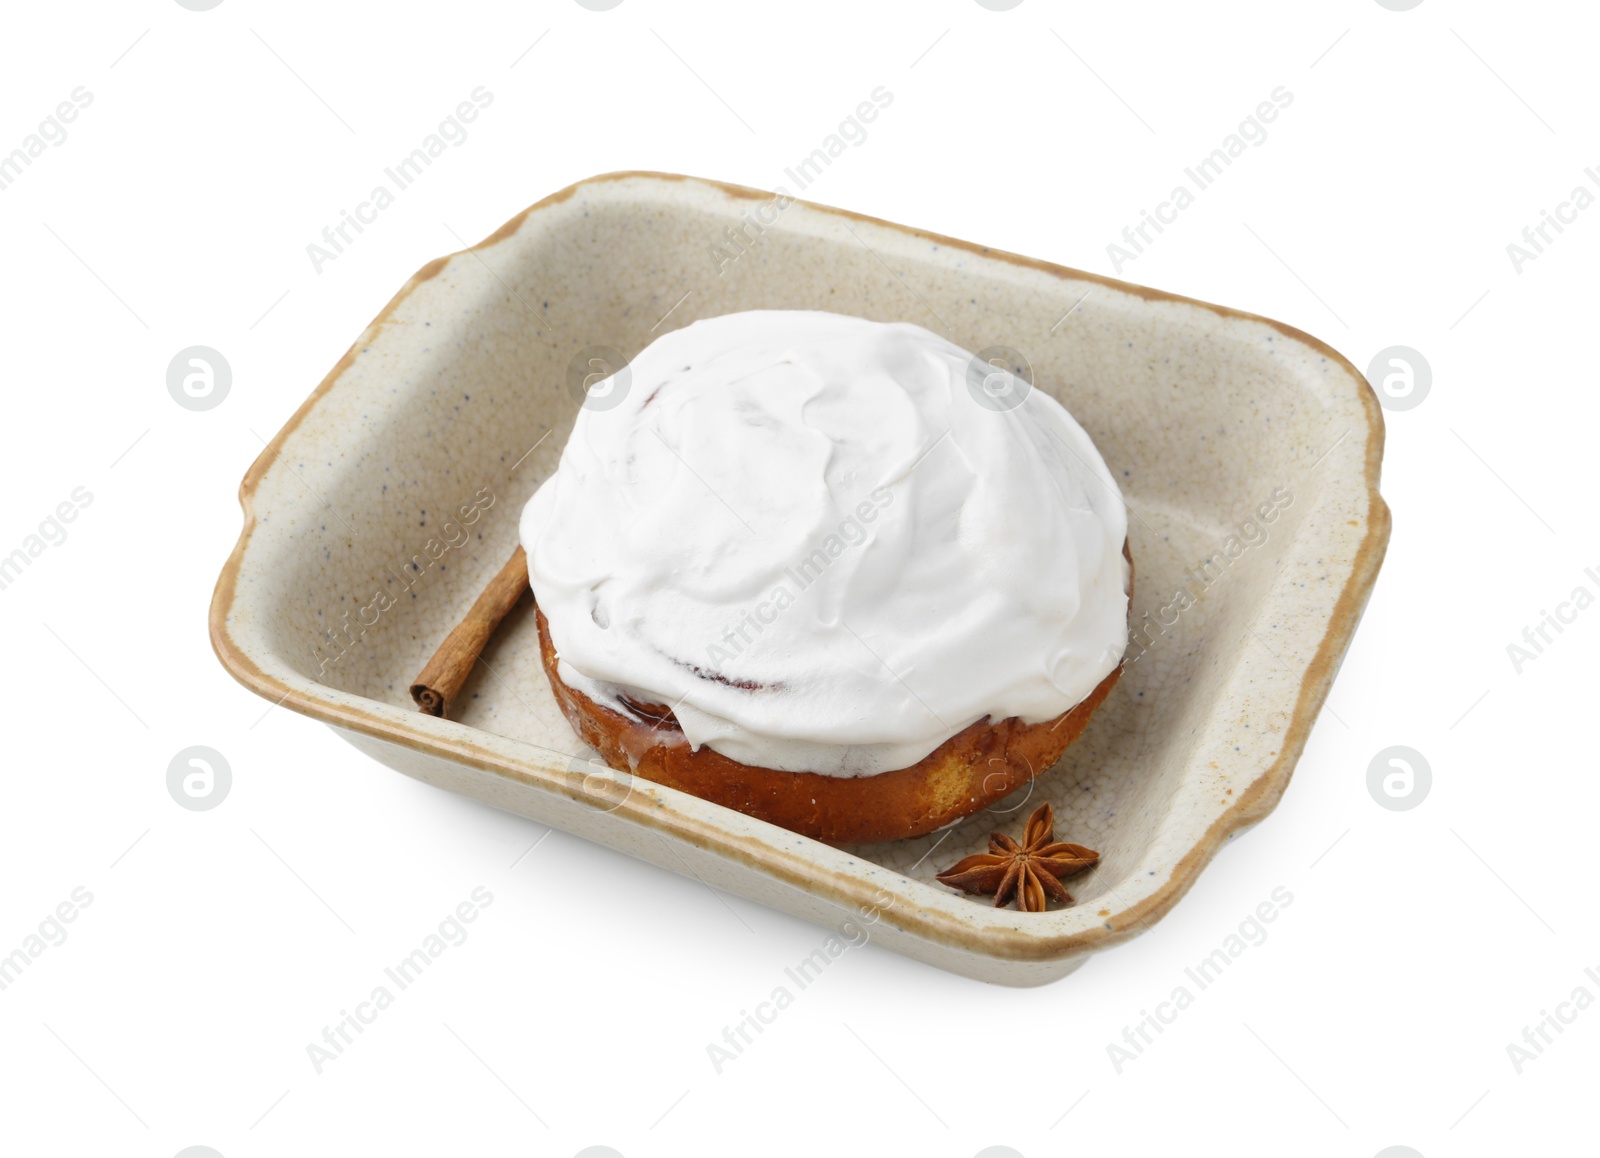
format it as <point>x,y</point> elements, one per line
<point>218,944</point>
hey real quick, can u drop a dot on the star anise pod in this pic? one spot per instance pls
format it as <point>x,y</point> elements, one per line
<point>1031,870</point>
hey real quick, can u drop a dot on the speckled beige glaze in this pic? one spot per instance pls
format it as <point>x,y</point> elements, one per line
<point>1202,413</point>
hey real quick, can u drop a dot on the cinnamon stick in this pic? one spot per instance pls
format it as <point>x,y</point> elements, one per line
<point>436,688</point>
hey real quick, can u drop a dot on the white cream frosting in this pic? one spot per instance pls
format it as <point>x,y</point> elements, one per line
<point>808,536</point>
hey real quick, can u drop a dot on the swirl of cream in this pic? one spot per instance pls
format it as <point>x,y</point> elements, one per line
<point>810,536</point>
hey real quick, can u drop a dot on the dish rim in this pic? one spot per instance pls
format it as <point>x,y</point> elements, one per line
<point>1016,943</point>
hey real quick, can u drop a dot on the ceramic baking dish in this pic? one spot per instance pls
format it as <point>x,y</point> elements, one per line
<point>1248,452</point>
